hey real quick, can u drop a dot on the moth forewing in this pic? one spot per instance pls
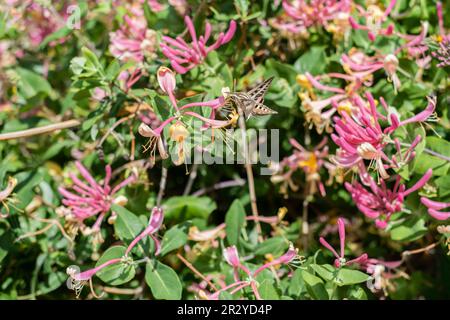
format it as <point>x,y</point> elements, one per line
<point>258,92</point>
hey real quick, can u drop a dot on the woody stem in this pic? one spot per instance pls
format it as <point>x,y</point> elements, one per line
<point>162,186</point>
<point>249,170</point>
<point>40,130</point>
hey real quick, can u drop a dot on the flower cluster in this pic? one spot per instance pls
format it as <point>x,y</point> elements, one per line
<point>310,162</point>
<point>183,56</point>
<point>89,199</point>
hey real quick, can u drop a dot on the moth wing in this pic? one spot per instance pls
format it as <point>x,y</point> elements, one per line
<point>258,92</point>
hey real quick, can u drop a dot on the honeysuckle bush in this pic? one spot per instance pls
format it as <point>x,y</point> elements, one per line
<point>98,104</point>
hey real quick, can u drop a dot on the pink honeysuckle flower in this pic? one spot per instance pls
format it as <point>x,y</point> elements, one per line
<point>359,70</point>
<point>340,260</point>
<point>363,67</point>
<point>156,220</point>
<point>91,199</point>
<point>310,162</point>
<point>231,256</point>
<point>380,202</point>
<point>316,12</point>
<point>291,257</point>
<point>133,41</point>
<point>40,22</point>
<point>428,114</point>
<point>360,137</point>
<point>155,5</point>
<point>295,32</point>
<point>77,280</point>
<point>183,56</point>
<point>434,208</point>
<point>88,274</point>
<point>374,20</point>
<point>381,271</point>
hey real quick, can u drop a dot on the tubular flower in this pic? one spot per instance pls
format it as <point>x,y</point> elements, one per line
<point>434,208</point>
<point>133,41</point>
<point>155,223</point>
<point>77,280</point>
<point>374,19</point>
<point>417,48</point>
<point>183,56</point>
<point>91,199</point>
<point>310,162</point>
<point>316,12</point>
<point>294,32</point>
<point>231,256</point>
<point>340,260</point>
<point>379,202</point>
<point>362,67</point>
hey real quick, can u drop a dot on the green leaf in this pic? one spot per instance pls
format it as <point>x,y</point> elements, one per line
<point>409,230</point>
<point>163,281</point>
<point>296,284</point>
<point>346,277</point>
<point>357,293</point>
<point>187,207</point>
<point>312,61</point>
<point>118,273</point>
<point>275,246</point>
<point>315,286</point>
<point>326,271</point>
<point>235,221</point>
<point>58,34</point>
<point>150,16</point>
<point>443,183</point>
<point>113,70</point>
<point>174,238</point>
<point>32,84</point>
<point>92,58</point>
<point>243,7</point>
<point>426,161</point>
<point>268,291</point>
